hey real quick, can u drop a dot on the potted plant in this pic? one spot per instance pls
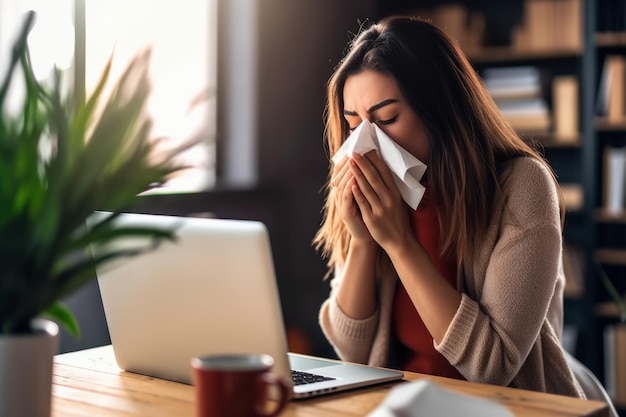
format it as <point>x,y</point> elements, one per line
<point>61,159</point>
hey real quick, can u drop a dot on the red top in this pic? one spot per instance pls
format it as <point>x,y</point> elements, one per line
<point>417,352</point>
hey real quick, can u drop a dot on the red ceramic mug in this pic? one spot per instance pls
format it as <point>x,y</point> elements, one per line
<point>237,385</point>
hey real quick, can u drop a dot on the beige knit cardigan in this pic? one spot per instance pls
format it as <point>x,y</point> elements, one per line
<point>508,327</point>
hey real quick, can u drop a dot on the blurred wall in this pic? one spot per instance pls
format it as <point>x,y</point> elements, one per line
<point>300,44</point>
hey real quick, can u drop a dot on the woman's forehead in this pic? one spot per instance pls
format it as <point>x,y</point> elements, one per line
<point>365,89</point>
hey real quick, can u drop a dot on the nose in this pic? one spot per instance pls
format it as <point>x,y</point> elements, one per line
<point>366,116</point>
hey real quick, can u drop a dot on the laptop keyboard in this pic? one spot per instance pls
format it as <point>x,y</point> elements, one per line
<point>301,378</point>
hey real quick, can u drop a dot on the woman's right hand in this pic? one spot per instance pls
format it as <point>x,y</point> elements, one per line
<point>356,293</point>
<point>342,181</point>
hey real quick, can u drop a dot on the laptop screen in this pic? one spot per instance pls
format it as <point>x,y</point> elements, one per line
<point>211,291</point>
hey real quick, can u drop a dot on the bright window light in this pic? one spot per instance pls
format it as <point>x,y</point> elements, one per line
<point>182,36</point>
<point>51,40</point>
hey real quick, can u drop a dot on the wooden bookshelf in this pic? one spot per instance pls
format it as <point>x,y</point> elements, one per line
<point>550,140</point>
<point>604,124</point>
<point>611,256</point>
<point>605,216</point>
<point>510,54</point>
<point>576,46</point>
<point>610,39</point>
<point>607,309</point>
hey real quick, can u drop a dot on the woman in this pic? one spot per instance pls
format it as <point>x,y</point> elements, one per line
<point>470,284</point>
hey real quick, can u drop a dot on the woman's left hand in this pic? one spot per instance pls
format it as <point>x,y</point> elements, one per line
<point>383,210</point>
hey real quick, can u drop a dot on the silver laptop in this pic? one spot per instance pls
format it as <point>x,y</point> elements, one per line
<point>212,291</point>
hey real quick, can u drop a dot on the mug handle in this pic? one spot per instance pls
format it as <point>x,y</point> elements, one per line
<point>268,379</point>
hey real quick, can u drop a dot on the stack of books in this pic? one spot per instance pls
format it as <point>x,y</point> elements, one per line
<point>517,92</point>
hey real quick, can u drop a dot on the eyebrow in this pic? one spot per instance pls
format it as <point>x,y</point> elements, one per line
<point>373,108</point>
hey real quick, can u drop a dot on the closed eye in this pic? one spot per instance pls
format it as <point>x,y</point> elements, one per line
<point>379,122</point>
<point>387,121</point>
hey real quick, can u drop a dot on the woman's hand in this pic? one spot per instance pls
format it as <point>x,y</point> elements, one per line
<point>356,294</point>
<point>382,209</point>
<point>342,181</point>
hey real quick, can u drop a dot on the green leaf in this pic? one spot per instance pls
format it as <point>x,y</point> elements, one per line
<point>18,50</point>
<point>61,314</point>
<point>85,112</point>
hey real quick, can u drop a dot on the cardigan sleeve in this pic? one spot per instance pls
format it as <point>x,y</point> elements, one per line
<point>350,338</point>
<point>496,326</point>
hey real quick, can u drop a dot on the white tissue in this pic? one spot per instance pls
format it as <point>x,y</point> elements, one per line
<point>407,169</point>
<point>425,398</point>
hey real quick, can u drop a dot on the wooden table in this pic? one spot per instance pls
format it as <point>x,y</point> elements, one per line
<point>88,383</point>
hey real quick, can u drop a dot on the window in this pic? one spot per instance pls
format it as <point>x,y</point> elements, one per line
<point>182,36</point>
<point>51,39</point>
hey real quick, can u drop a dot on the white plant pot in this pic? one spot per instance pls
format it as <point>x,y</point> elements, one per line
<point>26,371</point>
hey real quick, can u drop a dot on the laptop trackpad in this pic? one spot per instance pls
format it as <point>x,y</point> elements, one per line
<point>302,363</point>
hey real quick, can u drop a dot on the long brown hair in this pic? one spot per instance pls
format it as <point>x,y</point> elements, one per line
<point>469,138</point>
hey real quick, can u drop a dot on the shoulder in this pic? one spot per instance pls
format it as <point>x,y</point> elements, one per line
<point>530,187</point>
<point>526,173</point>
<point>525,168</point>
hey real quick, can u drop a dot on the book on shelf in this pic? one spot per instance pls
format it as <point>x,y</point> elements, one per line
<point>565,108</point>
<point>614,184</point>
<point>537,14</point>
<point>611,96</point>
